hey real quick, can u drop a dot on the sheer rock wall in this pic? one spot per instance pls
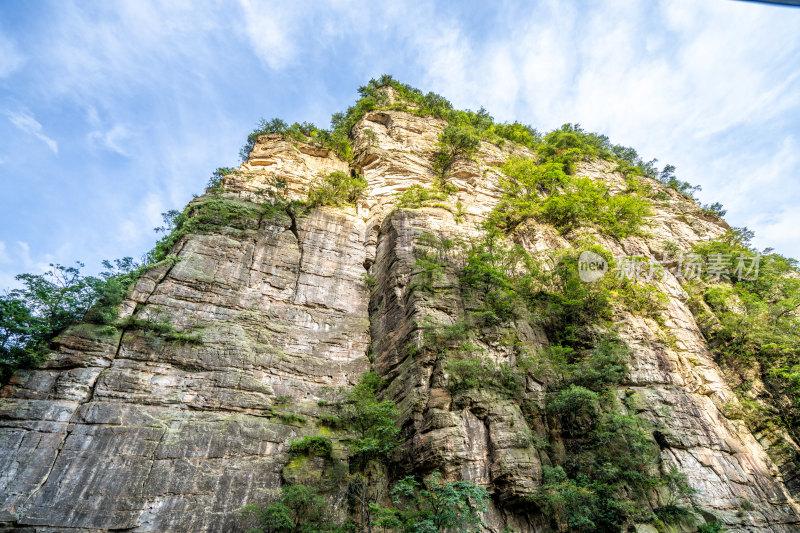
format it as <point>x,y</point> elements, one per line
<point>129,430</point>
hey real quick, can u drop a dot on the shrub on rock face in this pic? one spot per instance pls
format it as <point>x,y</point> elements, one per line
<point>312,445</point>
<point>544,191</point>
<point>454,143</point>
<point>438,505</point>
<point>576,407</point>
<point>337,188</point>
<point>299,509</point>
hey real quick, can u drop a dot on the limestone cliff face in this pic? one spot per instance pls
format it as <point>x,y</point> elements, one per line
<point>130,430</point>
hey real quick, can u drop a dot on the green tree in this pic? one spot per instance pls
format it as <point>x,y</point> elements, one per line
<point>371,423</point>
<point>21,337</point>
<point>371,420</point>
<point>437,505</point>
<point>58,297</point>
<point>300,509</point>
<point>454,143</point>
<point>569,505</point>
<point>46,304</point>
<point>337,188</point>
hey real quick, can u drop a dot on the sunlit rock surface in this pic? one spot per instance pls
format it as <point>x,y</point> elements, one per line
<point>129,430</point>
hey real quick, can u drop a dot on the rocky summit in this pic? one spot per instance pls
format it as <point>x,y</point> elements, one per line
<point>439,252</point>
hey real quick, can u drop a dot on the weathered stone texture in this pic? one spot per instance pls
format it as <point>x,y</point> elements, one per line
<point>134,430</point>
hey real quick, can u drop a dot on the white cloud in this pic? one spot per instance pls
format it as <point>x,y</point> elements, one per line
<point>693,83</point>
<point>102,54</point>
<point>26,122</point>
<point>4,258</point>
<point>144,218</point>
<point>10,57</point>
<point>17,259</point>
<point>33,265</point>
<point>269,27</point>
<point>115,139</point>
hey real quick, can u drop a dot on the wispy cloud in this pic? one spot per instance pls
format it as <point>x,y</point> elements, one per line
<point>269,29</point>
<point>692,83</point>
<point>25,121</point>
<point>16,259</point>
<point>4,258</point>
<point>712,87</point>
<point>115,139</point>
<point>10,57</point>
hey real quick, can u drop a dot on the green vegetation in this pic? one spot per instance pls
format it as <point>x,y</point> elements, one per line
<point>180,337</point>
<point>215,182</point>
<point>611,460</point>
<point>715,209</point>
<point>204,216</point>
<point>667,177</point>
<point>366,426</point>
<point>312,445</point>
<point>370,420</point>
<point>373,96</point>
<point>477,372</point>
<point>433,256</point>
<point>299,509</point>
<point>436,505</point>
<point>305,132</point>
<point>562,200</point>
<point>504,282</point>
<point>289,418</point>
<point>547,192</point>
<point>46,304</point>
<point>587,201</point>
<point>610,465</point>
<point>418,196</point>
<point>337,189</point>
<point>454,143</point>
<point>754,319</point>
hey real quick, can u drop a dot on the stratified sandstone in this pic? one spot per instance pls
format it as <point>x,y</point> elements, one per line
<point>131,430</point>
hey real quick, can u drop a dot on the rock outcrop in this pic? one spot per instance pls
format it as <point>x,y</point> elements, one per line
<point>128,429</point>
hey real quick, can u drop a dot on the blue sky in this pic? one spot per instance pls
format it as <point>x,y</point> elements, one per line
<point>112,112</point>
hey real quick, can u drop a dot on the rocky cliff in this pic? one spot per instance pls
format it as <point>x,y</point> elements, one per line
<point>128,429</point>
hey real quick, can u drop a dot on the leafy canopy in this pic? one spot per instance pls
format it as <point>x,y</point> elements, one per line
<point>437,505</point>
<point>46,304</point>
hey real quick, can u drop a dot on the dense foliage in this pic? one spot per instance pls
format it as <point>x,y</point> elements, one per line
<point>436,505</point>
<point>753,323</point>
<point>312,445</point>
<point>454,143</point>
<point>545,190</point>
<point>46,304</point>
<point>300,509</point>
<point>373,96</point>
<point>611,463</point>
<point>337,188</point>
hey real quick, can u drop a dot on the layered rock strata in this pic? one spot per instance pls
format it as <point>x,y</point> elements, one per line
<point>126,429</point>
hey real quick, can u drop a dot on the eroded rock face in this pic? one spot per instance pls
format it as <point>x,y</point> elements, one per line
<point>133,430</point>
<point>146,431</point>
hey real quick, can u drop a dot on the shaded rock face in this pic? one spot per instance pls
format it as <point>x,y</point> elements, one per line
<point>134,429</point>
